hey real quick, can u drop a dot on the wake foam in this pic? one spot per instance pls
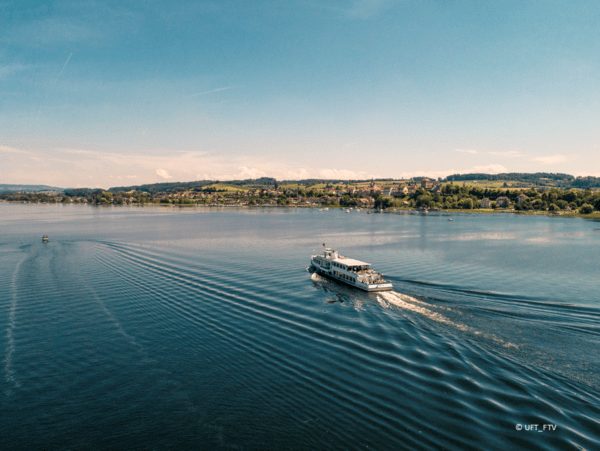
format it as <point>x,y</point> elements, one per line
<point>10,346</point>
<point>405,302</point>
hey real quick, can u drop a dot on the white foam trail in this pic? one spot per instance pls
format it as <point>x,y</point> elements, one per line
<point>409,303</point>
<point>10,346</point>
<point>118,325</point>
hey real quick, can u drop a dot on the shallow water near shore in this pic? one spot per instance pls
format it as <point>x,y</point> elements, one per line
<point>167,328</point>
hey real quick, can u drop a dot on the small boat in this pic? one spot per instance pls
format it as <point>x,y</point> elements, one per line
<point>347,211</point>
<point>351,272</point>
<point>321,209</point>
<point>45,239</point>
<point>450,219</point>
<point>325,209</point>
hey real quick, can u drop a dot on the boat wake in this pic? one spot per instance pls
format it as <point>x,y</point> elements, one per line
<point>406,302</point>
<point>10,346</point>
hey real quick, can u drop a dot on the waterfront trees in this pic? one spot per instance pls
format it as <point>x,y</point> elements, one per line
<point>348,201</point>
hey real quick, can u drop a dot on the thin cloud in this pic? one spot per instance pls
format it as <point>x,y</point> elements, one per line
<point>63,68</point>
<point>76,151</point>
<point>365,9</point>
<point>502,154</point>
<point>358,9</point>
<point>55,81</point>
<point>15,150</point>
<point>212,90</point>
<point>342,174</point>
<point>8,70</point>
<point>551,159</point>
<point>508,154</point>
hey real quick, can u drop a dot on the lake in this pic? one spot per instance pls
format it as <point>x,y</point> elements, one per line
<point>165,328</point>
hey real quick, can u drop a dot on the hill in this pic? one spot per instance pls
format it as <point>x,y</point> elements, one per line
<point>27,188</point>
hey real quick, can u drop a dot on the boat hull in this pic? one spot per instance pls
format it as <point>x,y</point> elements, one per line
<point>364,287</point>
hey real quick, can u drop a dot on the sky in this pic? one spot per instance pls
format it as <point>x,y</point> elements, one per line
<point>102,94</point>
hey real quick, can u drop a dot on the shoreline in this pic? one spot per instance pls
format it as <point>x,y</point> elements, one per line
<point>562,214</point>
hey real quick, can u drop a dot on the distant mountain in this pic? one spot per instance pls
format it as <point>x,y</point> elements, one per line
<point>27,188</point>
<point>261,182</point>
<point>538,178</point>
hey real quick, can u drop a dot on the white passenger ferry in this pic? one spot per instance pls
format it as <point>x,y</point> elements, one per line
<point>349,271</point>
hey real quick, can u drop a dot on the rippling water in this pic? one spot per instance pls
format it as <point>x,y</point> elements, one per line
<point>142,328</point>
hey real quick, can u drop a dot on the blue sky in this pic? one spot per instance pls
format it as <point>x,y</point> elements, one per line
<point>117,93</point>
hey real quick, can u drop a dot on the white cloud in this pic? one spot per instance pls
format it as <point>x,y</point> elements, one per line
<point>251,173</point>
<point>508,154</point>
<point>466,151</point>
<point>164,174</point>
<point>342,174</point>
<point>489,169</point>
<point>551,159</point>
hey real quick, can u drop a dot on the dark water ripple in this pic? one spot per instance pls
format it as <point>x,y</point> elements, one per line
<point>205,331</point>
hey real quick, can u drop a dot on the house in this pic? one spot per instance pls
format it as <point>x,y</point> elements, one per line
<point>485,203</point>
<point>521,198</point>
<point>426,183</point>
<point>503,201</point>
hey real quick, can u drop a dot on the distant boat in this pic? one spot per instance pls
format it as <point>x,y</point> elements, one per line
<point>45,239</point>
<point>450,219</point>
<point>320,209</point>
<point>325,209</point>
<point>347,211</point>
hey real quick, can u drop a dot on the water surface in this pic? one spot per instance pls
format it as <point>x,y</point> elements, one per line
<point>166,328</point>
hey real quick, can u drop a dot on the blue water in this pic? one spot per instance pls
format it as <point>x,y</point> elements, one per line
<point>166,328</point>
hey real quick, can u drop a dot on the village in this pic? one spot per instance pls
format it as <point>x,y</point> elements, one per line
<point>422,195</point>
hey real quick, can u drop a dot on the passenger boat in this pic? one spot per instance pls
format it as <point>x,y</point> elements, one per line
<point>346,270</point>
<point>45,239</point>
